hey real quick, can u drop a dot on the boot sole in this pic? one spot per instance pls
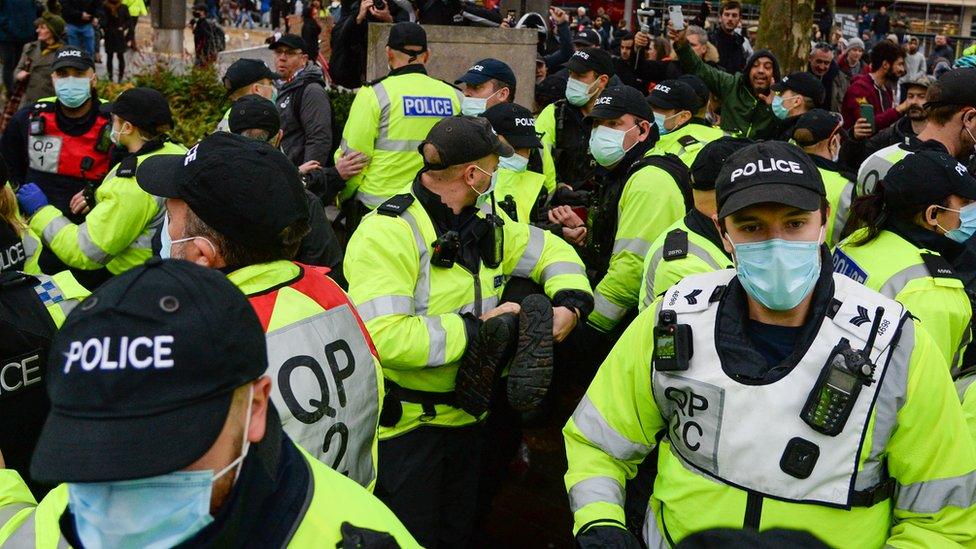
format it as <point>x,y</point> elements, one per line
<point>531,371</point>
<point>475,380</point>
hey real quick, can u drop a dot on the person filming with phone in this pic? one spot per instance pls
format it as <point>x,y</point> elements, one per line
<point>875,89</point>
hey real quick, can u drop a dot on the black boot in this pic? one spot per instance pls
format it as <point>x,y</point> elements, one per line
<point>531,371</point>
<point>482,362</point>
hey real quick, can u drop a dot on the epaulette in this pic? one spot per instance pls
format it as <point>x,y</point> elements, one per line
<point>675,245</point>
<point>938,266</point>
<point>687,140</point>
<point>396,205</point>
<point>127,167</point>
<point>43,106</point>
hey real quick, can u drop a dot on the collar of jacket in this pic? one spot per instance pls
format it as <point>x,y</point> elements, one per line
<point>412,68</point>
<point>264,277</point>
<point>921,238</point>
<point>703,226</point>
<point>443,217</point>
<point>152,145</point>
<point>307,74</point>
<point>831,166</point>
<point>740,360</point>
<point>269,498</point>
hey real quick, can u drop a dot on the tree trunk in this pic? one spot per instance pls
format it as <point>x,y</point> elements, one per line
<point>784,28</point>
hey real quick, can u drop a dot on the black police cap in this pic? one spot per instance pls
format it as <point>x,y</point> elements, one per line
<point>771,171</point>
<point>674,94</point>
<point>245,72</point>
<point>816,125</point>
<point>462,139</point>
<point>924,178</point>
<point>802,83</point>
<point>591,59</point>
<point>617,101</point>
<point>142,374</point>
<point>407,37</point>
<point>710,159</point>
<point>515,123</point>
<point>74,57</point>
<point>144,108</point>
<point>253,112</point>
<point>956,87</point>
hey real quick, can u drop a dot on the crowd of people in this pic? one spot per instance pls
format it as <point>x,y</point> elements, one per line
<point>744,297</point>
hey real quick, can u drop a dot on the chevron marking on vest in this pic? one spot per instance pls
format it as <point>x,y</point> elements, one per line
<point>861,318</point>
<point>692,297</point>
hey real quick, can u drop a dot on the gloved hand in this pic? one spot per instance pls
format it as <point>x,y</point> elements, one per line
<point>31,198</point>
<point>607,537</point>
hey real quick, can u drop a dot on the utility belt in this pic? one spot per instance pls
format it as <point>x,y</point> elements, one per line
<point>397,395</point>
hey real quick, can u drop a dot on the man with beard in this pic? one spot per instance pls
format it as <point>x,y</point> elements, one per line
<point>910,125</point>
<point>874,88</point>
<point>745,96</point>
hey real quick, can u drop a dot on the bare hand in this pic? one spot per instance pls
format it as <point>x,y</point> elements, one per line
<point>903,107</point>
<point>364,8</point>
<point>383,14</point>
<point>565,215</point>
<point>641,40</point>
<point>508,307</point>
<point>559,16</point>
<point>563,322</point>
<point>862,129</point>
<point>576,236</point>
<point>21,76</point>
<point>85,16</point>
<point>678,37</point>
<point>78,204</point>
<point>351,164</point>
<point>309,166</point>
<point>766,97</point>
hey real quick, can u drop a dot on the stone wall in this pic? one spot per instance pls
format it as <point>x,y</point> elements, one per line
<point>455,49</point>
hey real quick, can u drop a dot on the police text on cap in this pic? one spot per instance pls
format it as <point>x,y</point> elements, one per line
<point>775,165</point>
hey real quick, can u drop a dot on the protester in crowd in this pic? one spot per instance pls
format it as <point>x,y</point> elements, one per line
<point>864,19</point>
<point>563,37</point>
<point>745,96</point>
<point>35,66</point>
<point>874,88</point>
<point>582,20</point>
<point>233,478</point>
<point>915,66</point>
<point>205,37</point>
<point>602,27</point>
<point>881,24</point>
<point>855,151</point>
<point>729,42</point>
<point>119,28</point>
<point>17,22</point>
<point>347,62</point>
<point>796,94</point>
<point>311,29</point>
<point>822,65</point>
<point>851,64</point>
<point>256,117</point>
<point>643,71</point>
<point>942,51</point>
<point>306,114</point>
<point>80,16</point>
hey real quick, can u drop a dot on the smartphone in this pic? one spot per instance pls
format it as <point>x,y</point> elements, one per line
<point>676,17</point>
<point>867,112</point>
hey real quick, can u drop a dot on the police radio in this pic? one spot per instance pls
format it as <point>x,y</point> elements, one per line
<point>832,399</point>
<point>88,193</point>
<point>36,125</point>
<point>672,343</point>
<point>445,249</point>
<point>492,244</point>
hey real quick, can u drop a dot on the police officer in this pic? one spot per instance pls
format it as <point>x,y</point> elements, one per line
<point>426,270</point>
<point>255,117</point>
<point>808,402</point>
<point>794,95</point>
<point>820,134</point>
<point>950,127</point>
<point>62,143</point>
<point>487,83</point>
<point>20,249</point>
<point>911,245</point>
<point>117,233</point>
<point>236,204</point>
<point>521,188</point>
<point>683,133</point>
<point>32,308</point>
<point>248,77</point>
<point>639,196</point>
<point>393,115</point>
<point>561,124</point>
<point>692,244</point>
<point>135,475</point>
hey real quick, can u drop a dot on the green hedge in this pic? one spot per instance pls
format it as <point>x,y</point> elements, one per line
<point>198,99</point>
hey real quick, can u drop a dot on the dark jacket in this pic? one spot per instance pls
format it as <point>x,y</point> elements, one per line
<point>204,40</point>
<point>347,62</point>
<point>17,20</point>
<point>556,59</point>
<point>854,151</point>
<point>71,11</point>
<point>320,246</point>
<point>646,73</point>
<point>731,56</point>
<point>119,28</point>
<point>945,52</point>
<point>864,90</point>
<point>308,124</point>
<point>881,24</point>
<point>310,34</point>
<point>742,112</point>
<point>829,80</point>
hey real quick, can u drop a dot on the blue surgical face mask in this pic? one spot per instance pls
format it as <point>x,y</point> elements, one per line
<point>967,224</point>
<point>779,110</point>
<point>153,513</point>
<point>778,273</point>
<point>515,163</point>
<point>165,242</point>
<point>578,93</point>
<point>660,120</point>
<point>607,145</point>
<point>483,197</point>
<point>73,91</point>
<point>473,106</point>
